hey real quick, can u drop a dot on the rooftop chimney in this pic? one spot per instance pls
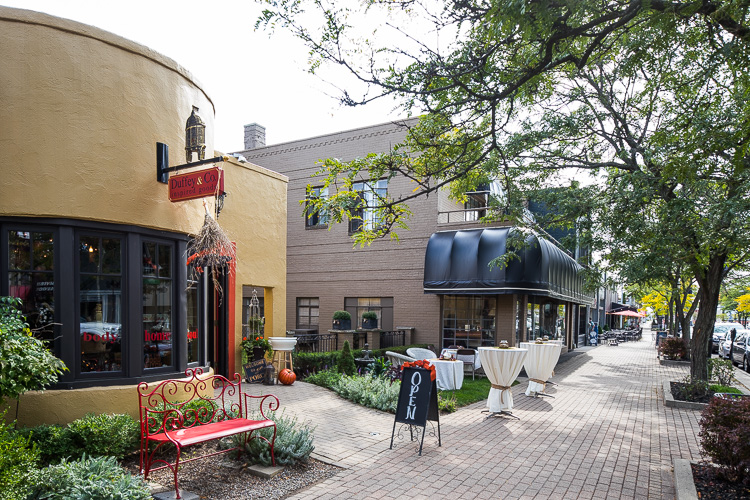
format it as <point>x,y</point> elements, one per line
<point>255,136</point>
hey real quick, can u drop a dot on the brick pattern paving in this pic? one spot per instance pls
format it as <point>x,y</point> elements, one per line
<point>605,435</point>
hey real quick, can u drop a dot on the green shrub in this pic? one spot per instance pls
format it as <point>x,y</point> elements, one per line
<point>110,435</point>
<point>27,364</point>
<point>294,441</point>
<point>345,364</point>
<point>447,403</point>
<point>90,479</point>
<point>721,370</point>
<point>54,442</point>
<point>725,437</point>
<point>306,363</point>
<point>324,378</point>
<point>18,461</point>
<point>341,315</point>
<point>673,348</point>
<point>369,315</point>
<point>379,367</point>
<point>373,392</point>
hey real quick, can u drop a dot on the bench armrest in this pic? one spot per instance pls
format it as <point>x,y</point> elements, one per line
<point>157,421</point>
<point>265,403</point>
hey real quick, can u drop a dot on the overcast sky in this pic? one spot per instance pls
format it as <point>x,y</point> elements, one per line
<point>250,76</point>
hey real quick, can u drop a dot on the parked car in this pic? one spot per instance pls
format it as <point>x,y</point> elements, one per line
<point>720,329</point>
<point>725,342</point>
<point>740,354</point>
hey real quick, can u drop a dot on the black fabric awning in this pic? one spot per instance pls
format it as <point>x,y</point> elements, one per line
<point>457,262</point>
<point>616,307</point>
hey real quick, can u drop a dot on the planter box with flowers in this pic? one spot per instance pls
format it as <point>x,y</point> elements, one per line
<point>256,347</point>
<point>369,320</point>
<point>342,320</point>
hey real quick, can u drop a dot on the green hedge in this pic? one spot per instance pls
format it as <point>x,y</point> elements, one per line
<point>306,363</point>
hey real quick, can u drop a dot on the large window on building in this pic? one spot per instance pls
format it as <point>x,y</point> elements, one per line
<point>31,278</point>
<point>308,313</point>
<point>381,306</point>
<point>158,342</point>
<point>114,300</point>
<point>315,218</point>
<point>370,195</point>
<point>100,302</point>
<point>469,320</point>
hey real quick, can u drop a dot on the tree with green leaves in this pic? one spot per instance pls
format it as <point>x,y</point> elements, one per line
<point>643,103</point>
<point>25,362</point>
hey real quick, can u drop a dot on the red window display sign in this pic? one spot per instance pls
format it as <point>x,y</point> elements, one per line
<point>198,184</point>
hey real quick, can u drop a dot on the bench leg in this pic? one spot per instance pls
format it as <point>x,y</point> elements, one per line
<point>176,468</point>
<point>273,440</point>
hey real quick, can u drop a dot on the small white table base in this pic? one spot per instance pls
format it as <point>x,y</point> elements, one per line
<point>502,367</point>
<point>539,364</point>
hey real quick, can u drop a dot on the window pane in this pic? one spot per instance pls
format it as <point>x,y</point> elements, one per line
<point>43,251</point>
<point>192,321</point>
<point>100,327</point>
<point>89,254</point>
<point>111,263</point>
<point>157,306</point>
<point>165,261</point>
<point>19,250</point>
<point>149,259</point>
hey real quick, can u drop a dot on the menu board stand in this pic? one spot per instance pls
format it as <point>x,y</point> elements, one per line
<point>417,403</point>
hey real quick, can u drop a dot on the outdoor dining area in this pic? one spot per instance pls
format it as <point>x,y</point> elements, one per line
<point>614,337</point>
<point>501,365</point>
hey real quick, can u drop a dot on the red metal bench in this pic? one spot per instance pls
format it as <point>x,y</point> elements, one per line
<point>165,418</point>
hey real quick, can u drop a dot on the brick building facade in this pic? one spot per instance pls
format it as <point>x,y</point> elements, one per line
<point>325,273</point>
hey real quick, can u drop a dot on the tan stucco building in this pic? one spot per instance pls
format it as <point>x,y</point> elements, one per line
<point>89,238</point>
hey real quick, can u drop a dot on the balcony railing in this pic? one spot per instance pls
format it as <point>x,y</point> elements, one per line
<point>392,339</point>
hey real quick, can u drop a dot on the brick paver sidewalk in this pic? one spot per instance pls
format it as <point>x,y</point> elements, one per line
<point>606,434</point>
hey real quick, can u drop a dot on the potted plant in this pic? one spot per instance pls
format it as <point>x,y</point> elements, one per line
<point>255,347</point>
<point>342,320</point>
<point>369,320</point>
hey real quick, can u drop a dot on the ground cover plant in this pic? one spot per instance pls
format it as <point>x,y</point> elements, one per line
<point>294,441</point>
<point>89,478</point>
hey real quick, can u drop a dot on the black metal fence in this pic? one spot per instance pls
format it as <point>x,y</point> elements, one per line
<point>316,342</point>
<point>392,339</point>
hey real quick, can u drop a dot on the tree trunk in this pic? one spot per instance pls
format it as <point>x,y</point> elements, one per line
<point>700,346</point>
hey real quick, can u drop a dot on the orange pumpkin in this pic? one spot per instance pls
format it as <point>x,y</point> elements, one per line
<point>287,376</point>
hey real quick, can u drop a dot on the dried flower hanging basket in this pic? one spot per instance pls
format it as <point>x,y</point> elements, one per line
<point>211,247</point>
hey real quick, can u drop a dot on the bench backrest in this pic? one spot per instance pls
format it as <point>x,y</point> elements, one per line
<point>190,401</point>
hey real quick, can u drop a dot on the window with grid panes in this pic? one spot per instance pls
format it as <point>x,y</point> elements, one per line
<point>308,312</point>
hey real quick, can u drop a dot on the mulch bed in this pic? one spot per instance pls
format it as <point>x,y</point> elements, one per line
<point>223,477</point>
<point>710,486</point>
<point>678,393</point>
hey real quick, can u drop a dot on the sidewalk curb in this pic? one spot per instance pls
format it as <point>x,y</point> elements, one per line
<point>684,486</point>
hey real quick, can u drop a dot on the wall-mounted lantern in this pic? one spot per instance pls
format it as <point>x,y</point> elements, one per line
<point>195,137</point>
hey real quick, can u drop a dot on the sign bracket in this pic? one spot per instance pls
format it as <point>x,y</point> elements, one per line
<point>162,163</point>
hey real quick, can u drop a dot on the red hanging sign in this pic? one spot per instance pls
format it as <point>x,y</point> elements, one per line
<point>198,184</point>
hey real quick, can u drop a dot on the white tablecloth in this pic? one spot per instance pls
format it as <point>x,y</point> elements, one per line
<point>449,375</point>
<point>540,363</point>
<point>465,357</point>
<point>502,367</point>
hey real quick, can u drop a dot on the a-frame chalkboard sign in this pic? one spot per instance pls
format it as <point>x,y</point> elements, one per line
<point>417,403</point>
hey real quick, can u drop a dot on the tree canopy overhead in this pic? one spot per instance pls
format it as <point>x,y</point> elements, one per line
<point>640,106</point>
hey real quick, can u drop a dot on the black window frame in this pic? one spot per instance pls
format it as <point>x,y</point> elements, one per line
<point>315,219</point>
<point>66,289</point>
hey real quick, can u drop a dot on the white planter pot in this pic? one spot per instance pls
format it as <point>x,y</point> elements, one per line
<point>282,343</point>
